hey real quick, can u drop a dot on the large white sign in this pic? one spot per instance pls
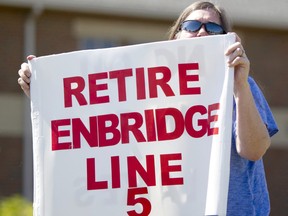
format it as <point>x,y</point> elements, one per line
<point>136,130</point>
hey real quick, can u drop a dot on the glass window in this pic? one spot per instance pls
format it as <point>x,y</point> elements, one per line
<point>96,43</point>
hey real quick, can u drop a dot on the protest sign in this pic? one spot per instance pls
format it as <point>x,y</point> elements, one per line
<point>135,130</point>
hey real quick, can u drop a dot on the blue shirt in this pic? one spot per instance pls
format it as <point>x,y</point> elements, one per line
<point>248,194</point>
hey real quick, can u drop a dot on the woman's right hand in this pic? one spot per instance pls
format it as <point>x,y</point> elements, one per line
<point>24,76</point>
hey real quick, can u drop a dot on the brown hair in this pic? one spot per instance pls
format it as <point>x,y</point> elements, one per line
<point>199,5</point>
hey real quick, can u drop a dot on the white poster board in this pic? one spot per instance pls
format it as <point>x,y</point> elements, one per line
<point>135,130</point>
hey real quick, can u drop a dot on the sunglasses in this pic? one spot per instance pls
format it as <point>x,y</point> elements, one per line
<point>195,25</point>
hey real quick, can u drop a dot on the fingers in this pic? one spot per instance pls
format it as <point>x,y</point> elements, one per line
<point>25,73</point>
<point>30,57</point>
<point>24,86</point>
<point>24,76</point>
<point>236,54</point>
<point>239,61</point>
<point>237,57</point>
<point>237,46</point>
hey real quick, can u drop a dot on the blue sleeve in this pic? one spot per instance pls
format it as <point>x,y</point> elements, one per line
<point>263,107</point>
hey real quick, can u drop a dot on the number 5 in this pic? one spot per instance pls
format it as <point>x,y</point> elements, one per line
<point>132,201</point>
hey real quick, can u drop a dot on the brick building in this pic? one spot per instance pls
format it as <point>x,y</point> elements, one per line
<point>47,27</point>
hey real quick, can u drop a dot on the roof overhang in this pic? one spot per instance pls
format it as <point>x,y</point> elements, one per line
<point>260,13</point>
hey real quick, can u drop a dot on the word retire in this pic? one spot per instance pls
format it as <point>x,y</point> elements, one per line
<point>158,77</point>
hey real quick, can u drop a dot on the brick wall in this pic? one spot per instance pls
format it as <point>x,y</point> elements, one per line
<point>11,40</point>
<point>11,52</point>
<point>54,33</point>
<point>276,164</point>
<point>267,51</point>
<point>10,166</point>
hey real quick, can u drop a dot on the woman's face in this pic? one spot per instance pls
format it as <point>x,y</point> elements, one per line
<point>203,16</point>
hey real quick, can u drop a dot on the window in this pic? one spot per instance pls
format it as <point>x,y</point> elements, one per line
<point>96,43</point>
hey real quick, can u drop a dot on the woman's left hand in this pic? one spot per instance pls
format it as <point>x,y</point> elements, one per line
<point>252,138</point>
<point>239,60</point>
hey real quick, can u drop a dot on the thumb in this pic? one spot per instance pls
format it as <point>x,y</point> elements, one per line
<point>30,57</point>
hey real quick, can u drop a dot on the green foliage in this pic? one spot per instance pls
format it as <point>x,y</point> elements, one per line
<point>15,206</point>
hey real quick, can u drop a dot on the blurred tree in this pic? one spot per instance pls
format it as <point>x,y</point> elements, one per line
<point>15,205</point>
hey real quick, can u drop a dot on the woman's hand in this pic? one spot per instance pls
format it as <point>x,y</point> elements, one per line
<point>239,60</point>
<point>252,138</point>
<point>24,76</point>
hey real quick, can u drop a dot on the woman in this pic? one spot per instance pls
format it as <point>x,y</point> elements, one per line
<point>253,123</point>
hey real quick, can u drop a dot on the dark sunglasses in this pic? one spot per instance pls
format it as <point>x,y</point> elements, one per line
<point>195,25</point>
